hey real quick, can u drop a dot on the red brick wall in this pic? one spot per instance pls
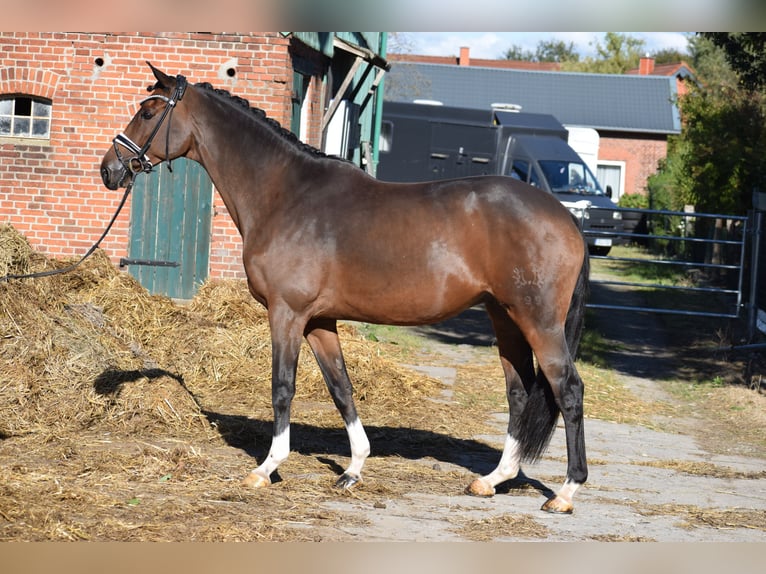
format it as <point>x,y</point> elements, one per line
<point>641,155</point>
<point>314,104</point>
<point>53,193</point>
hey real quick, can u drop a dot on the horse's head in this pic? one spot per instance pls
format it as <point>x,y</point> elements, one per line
<point>154,134</point>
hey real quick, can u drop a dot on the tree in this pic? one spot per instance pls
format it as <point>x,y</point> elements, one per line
<point>721,150</point>
<point>670,56</point>
<point>710,64</point>
<point>516,52</point>
<point>719,156</point>
<point>399,43</point>
<point>556,51</point>
<point>546,51</point>
<point>746,53</point>
<point>618,54</point>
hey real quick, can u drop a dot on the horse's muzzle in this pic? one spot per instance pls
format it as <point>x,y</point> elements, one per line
<point>113,175</point>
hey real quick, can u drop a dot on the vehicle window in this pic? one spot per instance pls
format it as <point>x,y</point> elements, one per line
<point>570,177</point>
<point>576,175</point>
<point>557,174</point>
<point>591,183</point>
<point>535,178</point>
<point>519,170</point>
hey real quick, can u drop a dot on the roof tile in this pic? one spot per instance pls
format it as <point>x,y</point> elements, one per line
<point>612,102</point>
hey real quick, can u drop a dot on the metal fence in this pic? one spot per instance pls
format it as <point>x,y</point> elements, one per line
<point>712,250</point>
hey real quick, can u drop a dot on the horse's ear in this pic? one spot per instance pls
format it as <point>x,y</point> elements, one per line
<point>163,80</point>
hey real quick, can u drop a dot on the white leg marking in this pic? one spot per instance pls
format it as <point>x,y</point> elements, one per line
<point>562,502</point>
<point>507,468</point>
<point>360,447</point>
<point>509,464</point>
<point>280,449</point>
<point>567,491</point>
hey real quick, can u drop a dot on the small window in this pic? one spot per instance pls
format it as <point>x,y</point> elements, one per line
<point>25,117</point>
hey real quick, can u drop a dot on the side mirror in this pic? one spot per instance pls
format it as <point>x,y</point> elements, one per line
<point>609,191</point>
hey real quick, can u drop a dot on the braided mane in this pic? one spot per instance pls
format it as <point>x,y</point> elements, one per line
<point>271,123</point>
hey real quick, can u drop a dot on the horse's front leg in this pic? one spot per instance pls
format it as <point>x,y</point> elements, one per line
<point>286,335</point>
<point>323,339</point>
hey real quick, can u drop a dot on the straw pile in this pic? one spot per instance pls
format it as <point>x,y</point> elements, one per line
<point>118,410</point>
<point>92,349</point>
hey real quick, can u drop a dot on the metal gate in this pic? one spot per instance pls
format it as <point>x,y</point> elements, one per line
<point>704,245</point>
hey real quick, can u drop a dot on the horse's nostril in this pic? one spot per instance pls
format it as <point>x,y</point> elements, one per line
<point>105,176</point>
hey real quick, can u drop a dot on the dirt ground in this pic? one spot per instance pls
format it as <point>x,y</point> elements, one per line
<point>122,475</point>
<point>660,484</point>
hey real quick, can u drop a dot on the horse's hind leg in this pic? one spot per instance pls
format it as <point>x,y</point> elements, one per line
<point>558,367</point>
<point>518,366</point>
<point>322,337</point>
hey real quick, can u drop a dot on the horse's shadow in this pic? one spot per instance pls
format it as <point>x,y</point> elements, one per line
<point>253,436</point>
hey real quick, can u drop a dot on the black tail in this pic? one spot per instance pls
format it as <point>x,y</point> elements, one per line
<point>538,419</point>
<point>576,313</point>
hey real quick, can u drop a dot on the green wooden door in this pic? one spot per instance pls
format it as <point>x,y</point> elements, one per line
<point>171,217</point>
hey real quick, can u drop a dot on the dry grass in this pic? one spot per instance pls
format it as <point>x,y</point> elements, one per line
<point>735,418</point>
<point>606,399</point>
<point>483,390</point>
<point>497,527</point>
<point>618,538</point>
<point>691,516</point>
<point>706,469</point>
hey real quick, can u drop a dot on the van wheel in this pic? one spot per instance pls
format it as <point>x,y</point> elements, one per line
<point>598,250</point>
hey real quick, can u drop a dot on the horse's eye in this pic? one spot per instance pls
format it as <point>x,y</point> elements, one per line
<point>147,114</point>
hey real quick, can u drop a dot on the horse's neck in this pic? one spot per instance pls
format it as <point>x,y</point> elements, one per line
<point>242,168</point>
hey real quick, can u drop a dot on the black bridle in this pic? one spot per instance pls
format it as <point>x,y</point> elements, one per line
<point>139,162</point>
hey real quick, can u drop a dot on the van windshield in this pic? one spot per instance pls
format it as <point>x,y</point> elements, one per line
<point>570,177</point>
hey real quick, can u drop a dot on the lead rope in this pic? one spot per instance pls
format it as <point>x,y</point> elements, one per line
<point>84,257</point>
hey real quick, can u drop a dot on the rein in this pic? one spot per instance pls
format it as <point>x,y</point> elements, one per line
<point>84,257</point>
<point>138,163</point>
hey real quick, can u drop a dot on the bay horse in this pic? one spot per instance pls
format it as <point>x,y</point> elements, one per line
<point>324,241</point>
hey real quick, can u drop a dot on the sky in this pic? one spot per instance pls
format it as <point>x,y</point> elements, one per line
<point>493,45</point>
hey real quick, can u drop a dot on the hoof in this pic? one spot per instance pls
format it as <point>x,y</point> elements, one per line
<point>347,481</point>
<point>557,505</point>
<point>480,487</point>
<point>254,480</point>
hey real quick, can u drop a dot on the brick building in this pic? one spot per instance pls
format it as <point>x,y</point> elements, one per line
<point>64,96</point>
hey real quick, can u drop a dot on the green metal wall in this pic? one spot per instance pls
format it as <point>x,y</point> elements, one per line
<point>371,113</point>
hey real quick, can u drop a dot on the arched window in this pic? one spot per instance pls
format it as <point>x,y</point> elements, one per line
<point>25,117</point>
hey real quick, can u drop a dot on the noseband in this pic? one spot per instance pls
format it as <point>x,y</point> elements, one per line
<point>139,161</point>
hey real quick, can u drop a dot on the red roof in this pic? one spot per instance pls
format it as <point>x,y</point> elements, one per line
<point>667,69</point>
